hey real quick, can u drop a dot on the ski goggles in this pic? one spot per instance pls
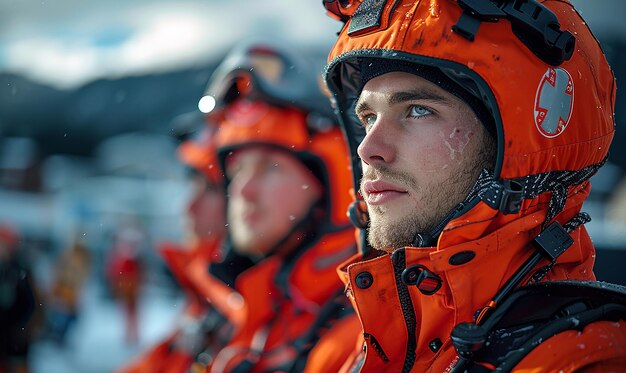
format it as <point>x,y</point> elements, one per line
<point>266,72</point>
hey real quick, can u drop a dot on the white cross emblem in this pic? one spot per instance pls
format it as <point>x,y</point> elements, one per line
<point>554,102</point>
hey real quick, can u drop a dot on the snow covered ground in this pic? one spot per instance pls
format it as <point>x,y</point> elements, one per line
<point>96,343</point>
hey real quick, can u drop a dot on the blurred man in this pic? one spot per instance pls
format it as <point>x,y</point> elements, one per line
<point>271,288</point>
<point>287,181</point>
<point>125,274</point>
<point>475,127</point>
<point>199,326</point>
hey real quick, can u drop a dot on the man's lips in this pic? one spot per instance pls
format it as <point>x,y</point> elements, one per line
<point>377,192</point>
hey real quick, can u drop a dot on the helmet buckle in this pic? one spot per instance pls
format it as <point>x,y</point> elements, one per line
<point>532,22</point>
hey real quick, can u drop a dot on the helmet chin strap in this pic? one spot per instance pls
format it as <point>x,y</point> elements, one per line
<point>423,240</point>
<point>507,195</point>
<point>429,239</point>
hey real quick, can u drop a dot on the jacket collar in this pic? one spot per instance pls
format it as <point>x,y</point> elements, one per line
<point>292,280</point>
<point>473,261</point>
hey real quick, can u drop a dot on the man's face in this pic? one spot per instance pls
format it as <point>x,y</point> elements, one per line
<point>269,192</point>
<point>206,209</point>
<point>423,151</point>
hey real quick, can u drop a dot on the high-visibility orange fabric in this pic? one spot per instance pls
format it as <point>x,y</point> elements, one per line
<point>420,32</point>
<point>466,288</point>
<point>255,302</point>
<point>276,316</point>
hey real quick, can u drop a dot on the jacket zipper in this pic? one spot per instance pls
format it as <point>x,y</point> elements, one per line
<point>398,258</point>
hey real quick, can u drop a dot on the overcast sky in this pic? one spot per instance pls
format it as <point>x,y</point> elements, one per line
<point>66,43</point>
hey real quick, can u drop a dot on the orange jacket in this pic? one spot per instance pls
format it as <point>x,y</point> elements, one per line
<point>289,305</point>
<point>465,289</point>
<point>543,134</point>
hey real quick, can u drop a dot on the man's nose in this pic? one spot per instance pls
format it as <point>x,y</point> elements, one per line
<point>246,186</point>
<point>378,144</point>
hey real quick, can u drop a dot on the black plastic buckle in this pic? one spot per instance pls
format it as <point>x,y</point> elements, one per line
<point>532,22</point>
<point>468,339</point>
<point>553,241</point>
<point>506,196</point>
<point>539,29</point>
<point>475,12</point>
<point>357,212</point>
<point>426,282</point>
<point>510,197</point>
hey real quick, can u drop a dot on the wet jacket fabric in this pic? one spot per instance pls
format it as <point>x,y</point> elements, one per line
<point>278,316</point>
<point>562,136</point>
<point>289,305</point>
<point>398,319</point>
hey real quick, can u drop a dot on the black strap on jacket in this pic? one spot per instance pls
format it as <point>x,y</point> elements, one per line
<point>532,314</point>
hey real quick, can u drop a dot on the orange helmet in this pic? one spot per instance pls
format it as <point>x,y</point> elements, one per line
<point>197,149</point>
<point>271,96</point>
<point>534,68</point>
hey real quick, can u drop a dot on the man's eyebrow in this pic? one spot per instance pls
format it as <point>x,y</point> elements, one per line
<point>422,94</point>
<point>361,107</point>
<point>404,96</point>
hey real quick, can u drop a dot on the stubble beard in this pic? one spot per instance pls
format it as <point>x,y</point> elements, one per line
<point>439,200</point>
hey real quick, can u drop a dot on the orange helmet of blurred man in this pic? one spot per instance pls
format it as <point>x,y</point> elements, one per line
<point>268,96</point>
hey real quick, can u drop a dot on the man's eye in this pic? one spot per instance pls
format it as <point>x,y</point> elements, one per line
<point>418,111</point>
<point>368,120</point>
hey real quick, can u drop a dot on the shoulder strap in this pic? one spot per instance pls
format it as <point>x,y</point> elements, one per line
<point>534,313</point>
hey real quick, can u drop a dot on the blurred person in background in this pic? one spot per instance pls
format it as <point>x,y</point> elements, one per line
<point>200,327</point>
<point>271,286</point>
<point>124,272</point>
<point>475,127</point>
<point>70,270</point>
<point>287,183</point>
<point>17,302</point>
